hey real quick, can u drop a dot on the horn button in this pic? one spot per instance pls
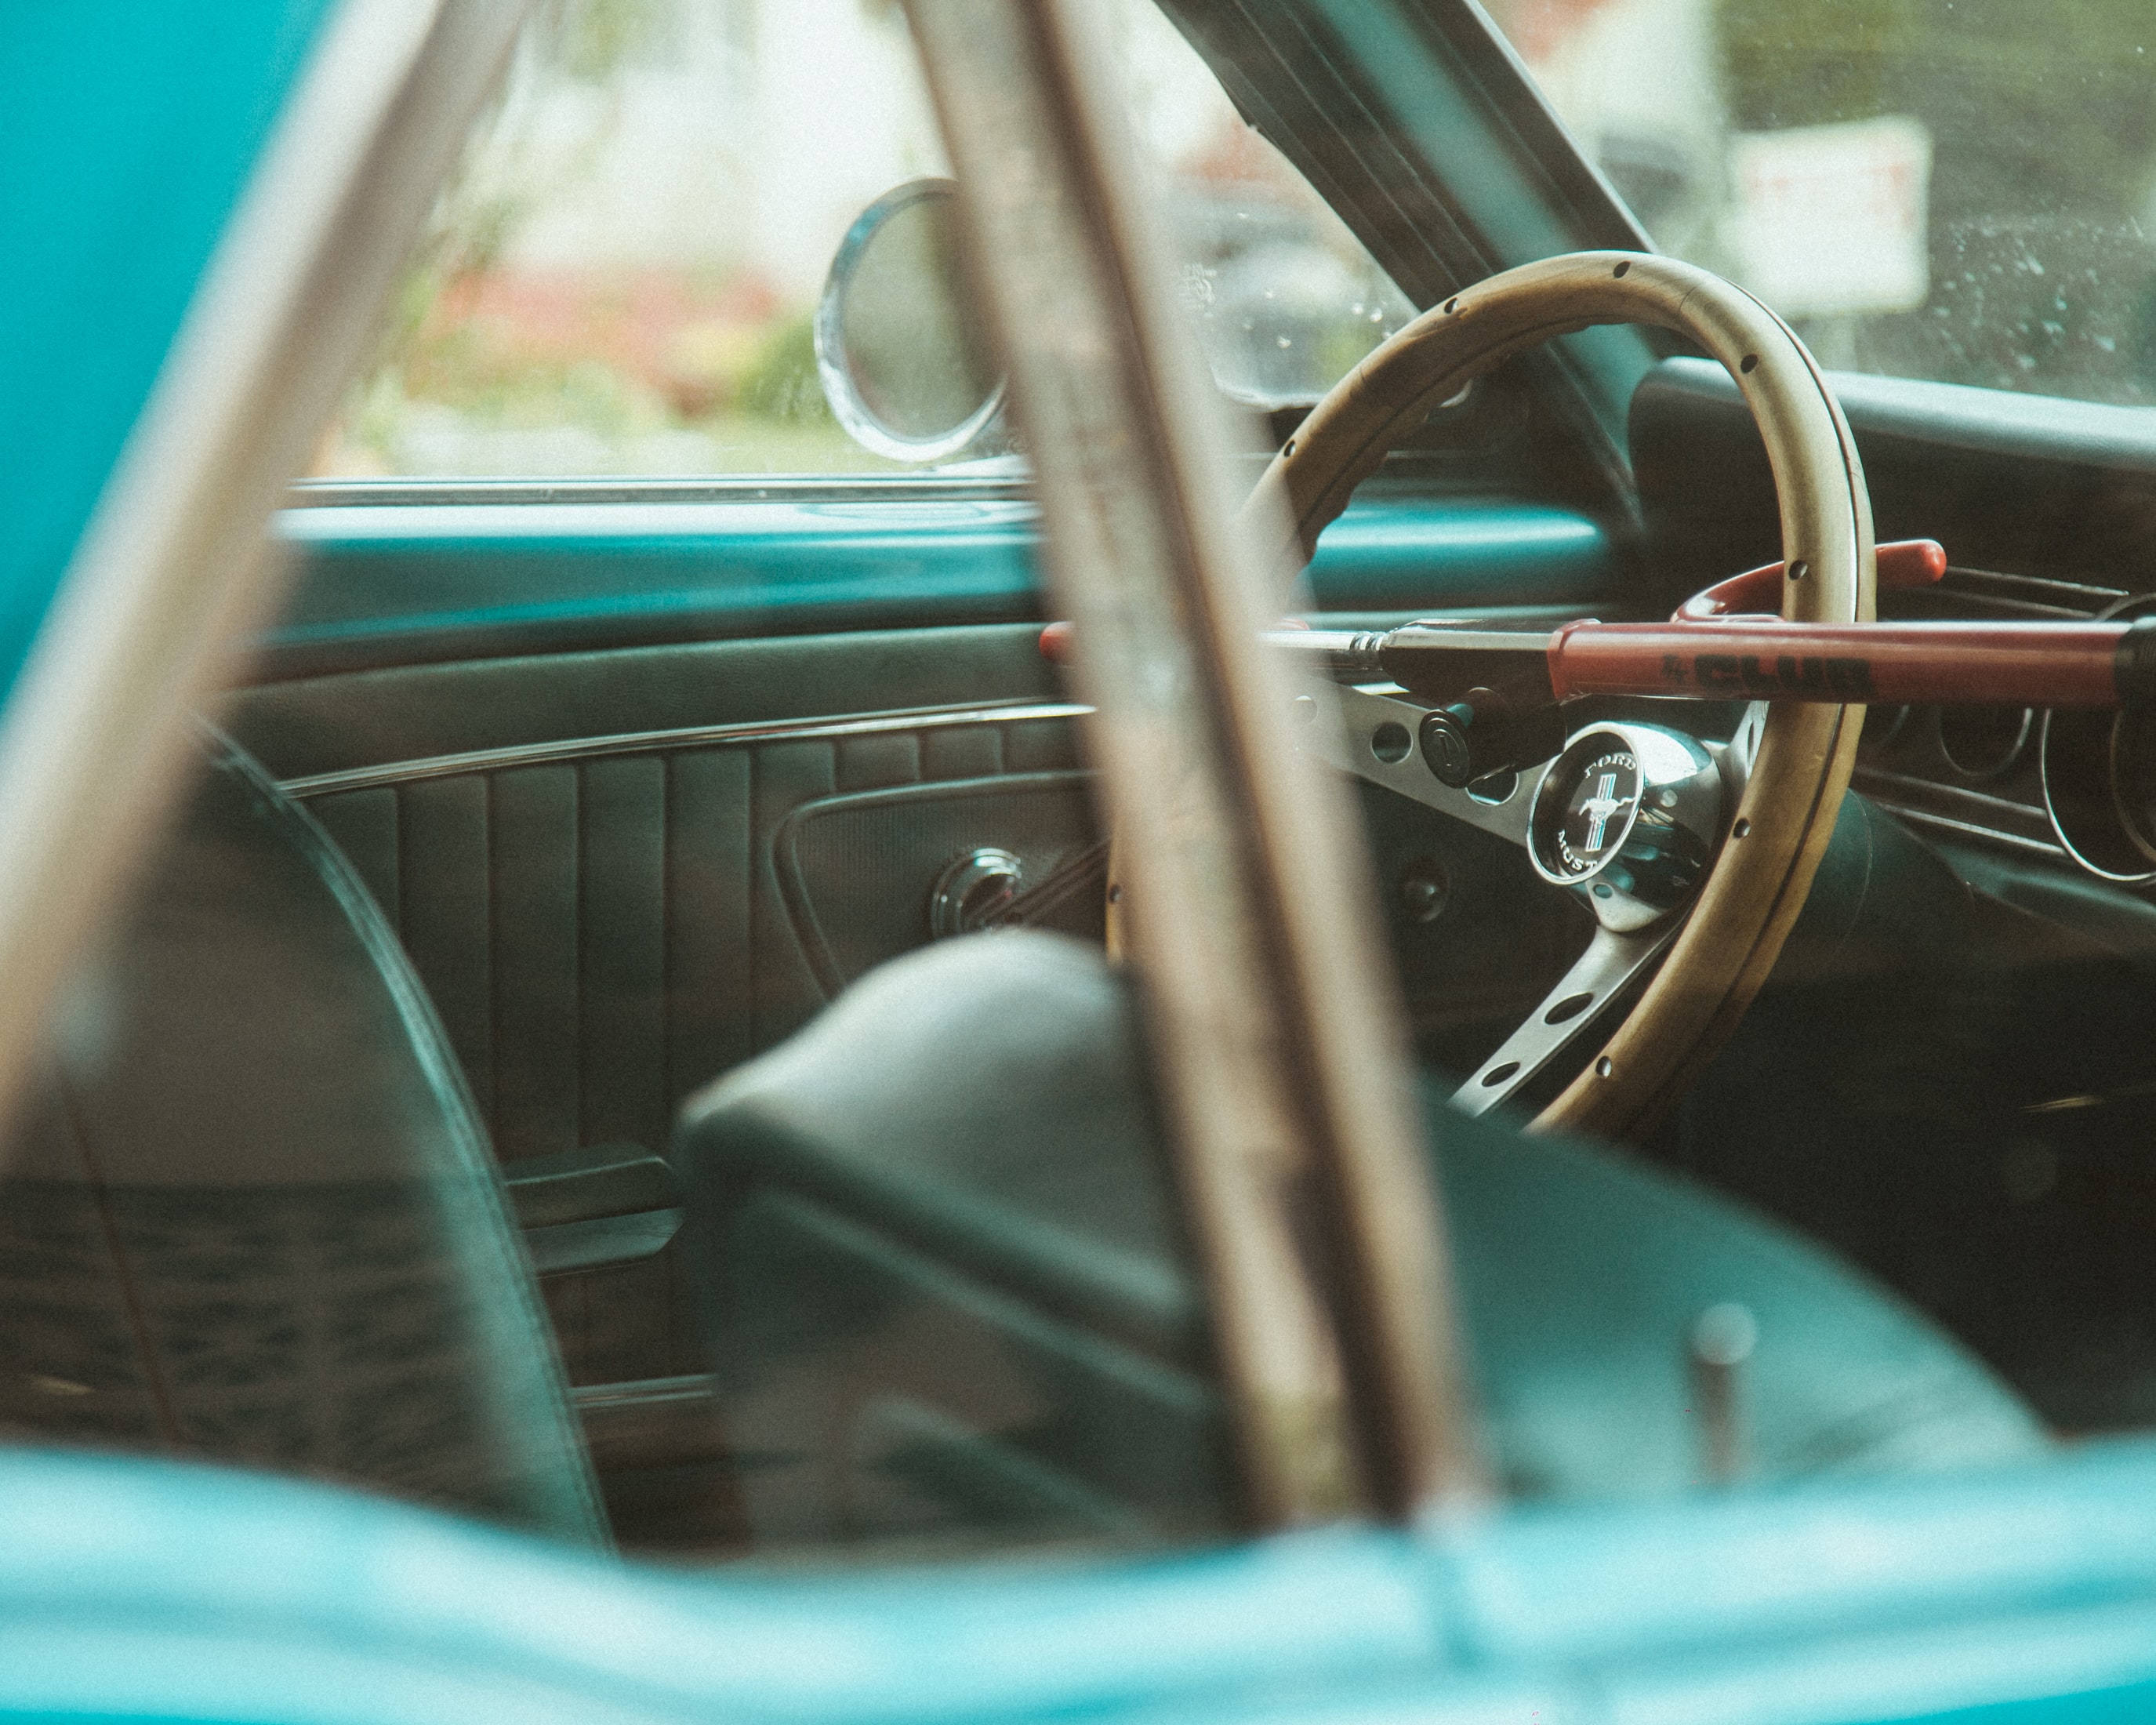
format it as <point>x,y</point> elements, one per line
<point>1628,817</point>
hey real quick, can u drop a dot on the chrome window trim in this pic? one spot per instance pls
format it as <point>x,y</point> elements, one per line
<point>644,742</point>
<point>730,488</point>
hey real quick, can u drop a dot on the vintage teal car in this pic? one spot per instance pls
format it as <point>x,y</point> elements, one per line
<point>573,1150</point>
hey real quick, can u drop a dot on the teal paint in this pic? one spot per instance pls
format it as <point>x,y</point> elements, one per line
<point>379,582</point>
<point>136,1589</point>
<point>1400,554</point>
<point>127,134</point>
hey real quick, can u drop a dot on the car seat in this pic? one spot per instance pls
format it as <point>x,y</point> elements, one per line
<point>940,1272</point>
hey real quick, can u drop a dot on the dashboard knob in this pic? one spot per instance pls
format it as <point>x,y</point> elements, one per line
<point>1448,745</point>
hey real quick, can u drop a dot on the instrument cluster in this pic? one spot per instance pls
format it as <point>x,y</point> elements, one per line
<point>2075,786</point>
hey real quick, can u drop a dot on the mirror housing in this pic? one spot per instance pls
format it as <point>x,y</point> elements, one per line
<point>903,354</point>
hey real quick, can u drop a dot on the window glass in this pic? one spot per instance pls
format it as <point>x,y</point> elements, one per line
<point>1961,190</point>
<point>623,277</point>
<point>1286,299</point>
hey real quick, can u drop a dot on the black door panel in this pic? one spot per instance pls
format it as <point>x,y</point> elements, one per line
<point>858,871</point>
<point>579,852</point>
<point>602,934</point>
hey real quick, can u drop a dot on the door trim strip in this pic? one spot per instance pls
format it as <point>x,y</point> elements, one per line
<point>642,743</point>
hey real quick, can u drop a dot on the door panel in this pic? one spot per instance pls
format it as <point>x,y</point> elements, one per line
<point>600,918</point>
<point>642,780</point>
<point>858,870</point>
<point>580,865</point>
<point>602,935</point>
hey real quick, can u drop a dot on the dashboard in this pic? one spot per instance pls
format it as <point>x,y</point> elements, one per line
<point>2070,789</point>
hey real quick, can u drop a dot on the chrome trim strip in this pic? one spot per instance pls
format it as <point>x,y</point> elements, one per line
<point>1968,829</point>
<point>642,742</point>
<point>2089,593</point>
<point>730,488</point>
<point>1867,776</point>
<point>1992,604</point>
<point>695,1389</point>
<point>2001,590</point>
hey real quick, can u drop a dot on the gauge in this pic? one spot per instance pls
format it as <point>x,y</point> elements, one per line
<point>2082,799</point>
<point>1883,727</point>
<point>2099,781</point>
<point>1983,742</point>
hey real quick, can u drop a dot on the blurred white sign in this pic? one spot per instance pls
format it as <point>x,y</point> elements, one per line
<point>1831,218</point>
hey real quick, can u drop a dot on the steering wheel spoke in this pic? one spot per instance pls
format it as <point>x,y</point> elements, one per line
<point>1613,960</point>
<point>1378,738</point>
<point>1647,804</point>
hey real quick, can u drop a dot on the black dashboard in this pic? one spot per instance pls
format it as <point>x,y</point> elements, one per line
<point>1969,1120</point>
<point>2047,509</point>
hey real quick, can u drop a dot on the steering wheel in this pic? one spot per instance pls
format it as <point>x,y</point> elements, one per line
<point>1763,808</point>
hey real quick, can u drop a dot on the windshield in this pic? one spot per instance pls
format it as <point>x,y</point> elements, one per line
<point>1958,190</point>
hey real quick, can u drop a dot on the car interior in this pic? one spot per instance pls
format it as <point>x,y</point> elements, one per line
<point>623,1042</point>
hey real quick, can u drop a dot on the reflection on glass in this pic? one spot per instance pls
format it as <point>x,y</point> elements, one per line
<point>1286,297</point>
<point>1958,190</point>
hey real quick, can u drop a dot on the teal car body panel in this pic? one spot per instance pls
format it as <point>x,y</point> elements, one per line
<point>141,1589</point>
<point>109,227</point>
<point>391,583</point>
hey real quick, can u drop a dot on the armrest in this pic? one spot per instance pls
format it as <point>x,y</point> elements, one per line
<point>594,1207</point>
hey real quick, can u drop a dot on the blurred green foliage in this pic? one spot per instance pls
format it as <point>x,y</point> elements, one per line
<point>592,39</point>
<point>780,382</point>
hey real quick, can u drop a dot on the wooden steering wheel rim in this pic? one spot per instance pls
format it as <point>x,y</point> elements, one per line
<point>1764,869</point>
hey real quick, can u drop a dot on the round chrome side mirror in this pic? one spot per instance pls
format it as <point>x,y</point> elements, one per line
<point>905,358</point>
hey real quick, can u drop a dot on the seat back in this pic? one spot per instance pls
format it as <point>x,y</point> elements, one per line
<point>940,1273</point>
<point>249,1212</point>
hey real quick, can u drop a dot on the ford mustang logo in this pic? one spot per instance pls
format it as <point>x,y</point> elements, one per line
<point>1599,808</point>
